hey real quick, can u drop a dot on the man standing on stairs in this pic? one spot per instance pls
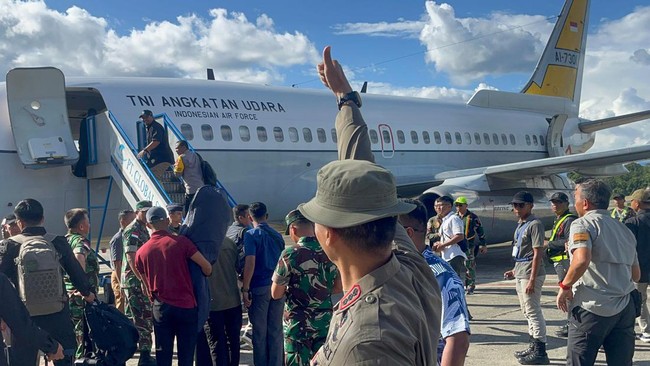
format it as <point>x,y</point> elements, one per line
<point>159,154</point>
<point>188,167</point>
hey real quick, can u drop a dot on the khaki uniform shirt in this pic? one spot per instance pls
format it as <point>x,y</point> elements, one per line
<point>390,316</point>
<point>532,237</point>
<point>604,289</point>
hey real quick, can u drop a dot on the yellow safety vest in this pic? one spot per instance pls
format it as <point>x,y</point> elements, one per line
<point>556,227</point>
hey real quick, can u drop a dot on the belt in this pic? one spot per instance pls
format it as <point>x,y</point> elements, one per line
<point>526,259</point>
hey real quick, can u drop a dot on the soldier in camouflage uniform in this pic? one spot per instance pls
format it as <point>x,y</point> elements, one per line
<point>473,232</point>
<point>76,220</point>
<point>308,278</point>
<point>138,303</point>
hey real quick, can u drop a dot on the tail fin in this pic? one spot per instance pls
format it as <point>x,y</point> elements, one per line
<point>559,70</point>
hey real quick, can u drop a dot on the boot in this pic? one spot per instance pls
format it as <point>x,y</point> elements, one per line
<point>538,356</point>
<point>563,331</point>
<point>146,359</point>
<point>527,351</point>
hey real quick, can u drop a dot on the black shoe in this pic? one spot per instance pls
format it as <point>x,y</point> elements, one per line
<point>538,356</point>
<point>527,351</point>
<point>563,331</point>
<point>146,359</point>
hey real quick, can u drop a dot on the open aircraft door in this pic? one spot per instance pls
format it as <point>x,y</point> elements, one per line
<point>39,117</point>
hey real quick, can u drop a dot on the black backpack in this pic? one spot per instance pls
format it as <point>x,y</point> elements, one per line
<point>209,176</point>
<point>113,335</point>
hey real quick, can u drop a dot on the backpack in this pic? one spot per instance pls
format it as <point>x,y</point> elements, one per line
<point>40,281</point>
<point>209,176</point>
<point>113,335</point>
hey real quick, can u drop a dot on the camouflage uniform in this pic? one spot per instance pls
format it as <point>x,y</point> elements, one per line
<point>138,305</point>
<point>473,229</point>
<point>309,276</point>
<point>81,245</point>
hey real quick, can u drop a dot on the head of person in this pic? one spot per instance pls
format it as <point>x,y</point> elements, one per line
<point>591,194</point>
<point>76,221</point>
<point>141,209</point>
<point>415,223</point>
<point>355,210</point>
<point>619,198</point>
<point>175,214</point>
<point>461,204</point>
<point>298,226</point>
<point>640,199</point>
<point>559,203</point>
<point>257,211</point>
<point>157,218</point>
<point>147,116</point>
<point>10,226</point>
<point>522,204</point>
<point>29,212</point>
<point>125,217</point>
<point>240,214</point>
<point>181,147</point>
<point>443,205</point>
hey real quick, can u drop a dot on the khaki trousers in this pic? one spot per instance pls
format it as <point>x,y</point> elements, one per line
<point>532,308</point>
<point>117,291</point>
<point>158,170</point>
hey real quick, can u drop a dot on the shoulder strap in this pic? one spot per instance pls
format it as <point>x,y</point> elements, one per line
<point>272,235</point>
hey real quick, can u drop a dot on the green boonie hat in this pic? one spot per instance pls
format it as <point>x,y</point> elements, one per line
<point>143,205</point>
<point>641,195</point>
<point>351,193</point>
<point>461,200</point>
<point>292,217</point>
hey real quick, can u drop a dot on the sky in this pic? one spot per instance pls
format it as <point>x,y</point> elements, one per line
<point>440,50</point>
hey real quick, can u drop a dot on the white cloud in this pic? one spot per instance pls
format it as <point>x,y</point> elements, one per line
<point>402,28</point>
<point>83,44</point>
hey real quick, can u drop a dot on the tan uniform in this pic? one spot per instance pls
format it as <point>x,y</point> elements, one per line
<point>392,315</point>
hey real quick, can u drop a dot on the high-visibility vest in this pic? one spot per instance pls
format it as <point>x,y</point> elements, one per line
<point>556,227</point>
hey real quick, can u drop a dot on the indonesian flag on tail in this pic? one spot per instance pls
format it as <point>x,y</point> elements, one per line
<point>573,26</point>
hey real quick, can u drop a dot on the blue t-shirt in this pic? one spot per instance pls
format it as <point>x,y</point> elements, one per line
<point>263,242</point>
<point>455,318</point>
<point>116,248</point>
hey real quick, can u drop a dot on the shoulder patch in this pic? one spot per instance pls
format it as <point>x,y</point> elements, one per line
<point>351,297</point>
<point>580,237</point>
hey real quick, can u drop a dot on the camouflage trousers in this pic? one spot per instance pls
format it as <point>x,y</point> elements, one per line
<point>470,263</point>
<point>77,304</point>
<point>138,309</point>
<point>299,353</point>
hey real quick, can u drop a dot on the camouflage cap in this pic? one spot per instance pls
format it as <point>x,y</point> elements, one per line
<point>292,217</point>
<point>351,193</point>
<point>641,195</point>
<point>143,205</point>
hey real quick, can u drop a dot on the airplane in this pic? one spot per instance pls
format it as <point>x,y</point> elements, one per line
<point>267,143</point>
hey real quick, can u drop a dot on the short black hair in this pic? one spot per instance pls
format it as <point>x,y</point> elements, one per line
<point>445,199</point>
<point>30,211</point>
<point>419,213</point>
<point>257,210</point>
<point>74,216</point>
<point>371,236</point>
<point>182,143</point>
<point>124,213</point>
<point>239,210</point>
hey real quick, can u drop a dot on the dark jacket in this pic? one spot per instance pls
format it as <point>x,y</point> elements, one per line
<point>640,227</point>
<point>9,252</point>
<point>556,246</point>
<point>14,313</point>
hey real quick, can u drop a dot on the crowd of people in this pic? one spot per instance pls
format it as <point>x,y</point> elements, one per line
<point>402,275</point>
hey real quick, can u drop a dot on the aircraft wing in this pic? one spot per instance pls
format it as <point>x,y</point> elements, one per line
<point>598,163</point>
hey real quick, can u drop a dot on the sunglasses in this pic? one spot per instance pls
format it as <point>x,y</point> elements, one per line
<point>518,205</point>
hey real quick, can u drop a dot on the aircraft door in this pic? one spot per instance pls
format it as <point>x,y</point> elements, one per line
<point>555,136</point>
<point>38,115</point>
<point>386,141</point>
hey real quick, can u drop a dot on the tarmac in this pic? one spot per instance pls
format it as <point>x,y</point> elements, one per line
<point>498,327</point>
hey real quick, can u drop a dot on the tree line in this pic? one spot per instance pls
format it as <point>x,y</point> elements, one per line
<point>637,177</point>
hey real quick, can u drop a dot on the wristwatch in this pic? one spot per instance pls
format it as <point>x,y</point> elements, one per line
<point>351,96</point>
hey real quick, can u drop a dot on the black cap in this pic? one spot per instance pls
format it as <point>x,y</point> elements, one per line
<point>156,214</point>
<point>146,112</point>
<point>559,196</point>
<point>619,196</point>
<point>9,219</point>
<point>174,208</point>
<point>523,197</point>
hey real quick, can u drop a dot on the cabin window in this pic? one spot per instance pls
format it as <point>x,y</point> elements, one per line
<point>226,133</point>
<point>206,132</point>
<point>528,140</point>
<point>187,131</point>
<point>320,133</point>
<point>477,138</point>
<point>400,137</point>
<point>448,138</point>
<point>306,133</point>
<point>244,133</point>
<point>425,137</point>
<point>386,136</point>
<point>504,139</point>
<point>278,134</point>
<point>261,134</point>
<point>486,138</point>
<point>467,138</point>
<point>436,136</point>
<point>512,140</point>
<point>374,138</point>
<point>495,139</point>
<point>293,134</point>
<point>414,137</point>
<point>334,135</point>
<point>535,140</point>
<point>459,139</point>
<point>542,141</point>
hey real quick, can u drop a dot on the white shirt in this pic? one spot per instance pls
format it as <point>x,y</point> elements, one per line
<point>451,226</point>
